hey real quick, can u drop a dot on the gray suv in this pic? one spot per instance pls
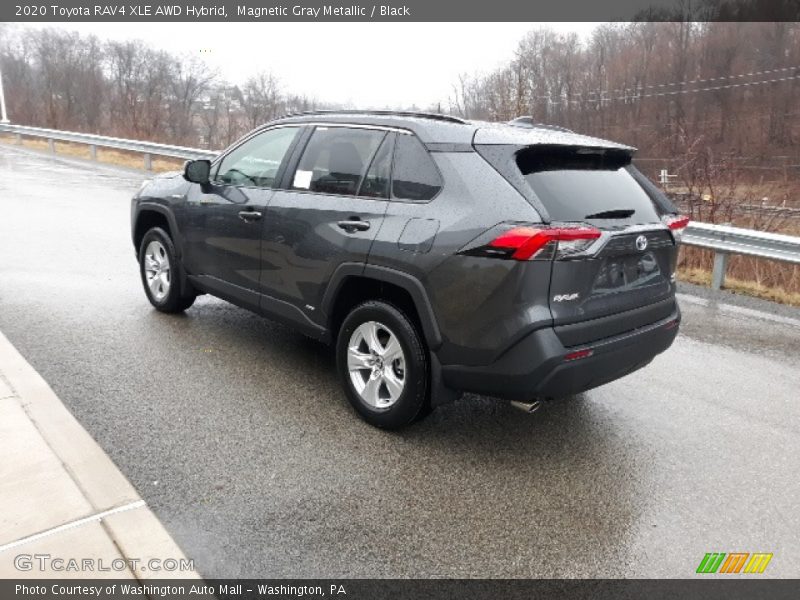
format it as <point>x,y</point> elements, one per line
<point>438,255</point>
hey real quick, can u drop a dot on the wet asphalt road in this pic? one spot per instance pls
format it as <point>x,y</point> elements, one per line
<point>234,431</point>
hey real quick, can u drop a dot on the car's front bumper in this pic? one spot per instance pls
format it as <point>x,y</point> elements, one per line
<point>536,366</point>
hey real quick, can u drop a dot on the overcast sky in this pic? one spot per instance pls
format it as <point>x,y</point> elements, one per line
<point>368,65</point>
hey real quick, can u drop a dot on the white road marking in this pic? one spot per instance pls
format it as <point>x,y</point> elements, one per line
<point>738,310</point>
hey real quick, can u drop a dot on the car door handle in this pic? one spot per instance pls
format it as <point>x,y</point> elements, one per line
<point>248,216</point>
<point>353,225</point>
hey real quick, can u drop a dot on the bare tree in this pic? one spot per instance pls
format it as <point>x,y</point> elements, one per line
<point>189,80</point>
<point>260,99</point>
<point>642,83</point>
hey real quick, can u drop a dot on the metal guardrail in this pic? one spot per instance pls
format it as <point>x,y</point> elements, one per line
<point>147,149</point>
<point>724,240</point>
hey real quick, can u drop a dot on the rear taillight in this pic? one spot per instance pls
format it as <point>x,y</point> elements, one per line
<point>540,243</point>
<point>676,223</point>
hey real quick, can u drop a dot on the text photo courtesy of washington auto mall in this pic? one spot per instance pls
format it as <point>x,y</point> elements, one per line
<point>426,300</point>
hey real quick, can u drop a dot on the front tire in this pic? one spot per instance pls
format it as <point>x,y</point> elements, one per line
<point>383,365</point>
<point>160,271</point>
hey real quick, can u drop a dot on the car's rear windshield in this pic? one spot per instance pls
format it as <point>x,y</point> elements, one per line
<point>579,184</point>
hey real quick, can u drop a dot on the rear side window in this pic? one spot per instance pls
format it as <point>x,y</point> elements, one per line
<point>576,184</point>
<point>335,160</point>
<point>415,176</point>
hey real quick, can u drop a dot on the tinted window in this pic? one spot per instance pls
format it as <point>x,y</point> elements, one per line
<point>335,160</point>
<point>256,161</point>
<point>415,177</point>
<point>576,184</point>
<point>376,183</point>
<point>663,204</point>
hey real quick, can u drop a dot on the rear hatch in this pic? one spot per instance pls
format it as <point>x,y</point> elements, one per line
<point>620,277</point>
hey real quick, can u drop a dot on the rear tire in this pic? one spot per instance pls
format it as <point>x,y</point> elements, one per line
<point>160,271</point>
<point>383,365</point>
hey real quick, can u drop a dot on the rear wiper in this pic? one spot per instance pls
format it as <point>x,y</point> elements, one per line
<point>616,213</point>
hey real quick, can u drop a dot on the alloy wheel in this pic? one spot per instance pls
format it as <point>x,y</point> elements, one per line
<point>157,270</point>
<point>377,364</point>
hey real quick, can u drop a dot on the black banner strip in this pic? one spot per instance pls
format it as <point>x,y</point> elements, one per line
<point>749,587</point>
<point>399,11</point>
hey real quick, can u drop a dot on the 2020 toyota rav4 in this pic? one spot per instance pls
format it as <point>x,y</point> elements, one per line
<point>439,255</point>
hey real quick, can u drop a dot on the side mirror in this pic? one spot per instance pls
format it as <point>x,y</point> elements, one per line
<point>197,171</point>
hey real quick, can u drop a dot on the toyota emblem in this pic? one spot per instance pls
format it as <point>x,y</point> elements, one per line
<point>641,242</point>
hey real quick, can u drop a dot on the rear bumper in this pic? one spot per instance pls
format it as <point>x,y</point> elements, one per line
<point>535,367</point>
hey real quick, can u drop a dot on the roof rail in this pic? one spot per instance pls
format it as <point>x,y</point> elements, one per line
<point>396,113</point>
<point>529,123</point>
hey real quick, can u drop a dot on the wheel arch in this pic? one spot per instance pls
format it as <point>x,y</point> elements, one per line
<point>353,283</point>
<point>149,215</point>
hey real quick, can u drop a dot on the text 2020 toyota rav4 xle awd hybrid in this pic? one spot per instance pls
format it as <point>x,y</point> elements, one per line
<point>438,255</point>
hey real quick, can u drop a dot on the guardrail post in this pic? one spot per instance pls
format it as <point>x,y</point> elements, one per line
<point>52,145</point>
<point>720,266</point>
<point>148,162</point>
<point>93,151</point>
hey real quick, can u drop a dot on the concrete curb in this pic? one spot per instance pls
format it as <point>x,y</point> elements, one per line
<point>60,493</point>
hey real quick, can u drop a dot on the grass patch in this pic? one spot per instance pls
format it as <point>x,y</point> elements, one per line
<point>739,286</point>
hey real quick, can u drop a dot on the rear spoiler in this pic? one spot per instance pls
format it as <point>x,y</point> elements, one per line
<point>532,134</point>
<point>530,123</point>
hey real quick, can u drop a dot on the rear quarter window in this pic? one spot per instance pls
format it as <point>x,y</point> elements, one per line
<point>415,176</point>
<point>576,184</point>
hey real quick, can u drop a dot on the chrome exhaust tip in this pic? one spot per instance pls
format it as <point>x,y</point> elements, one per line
<point>528,407</point>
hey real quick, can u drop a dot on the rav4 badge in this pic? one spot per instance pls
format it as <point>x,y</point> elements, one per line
<point>563,297</point>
